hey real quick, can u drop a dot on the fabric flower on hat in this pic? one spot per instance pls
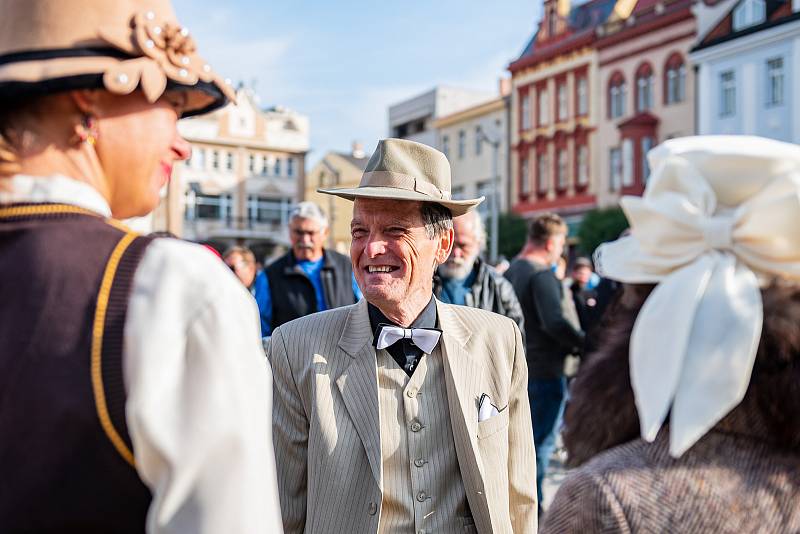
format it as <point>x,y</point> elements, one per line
<point>165,49</point>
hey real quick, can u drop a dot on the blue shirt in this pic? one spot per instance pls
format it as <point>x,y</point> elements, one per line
<point>455,290</point>
<point>312,269</point>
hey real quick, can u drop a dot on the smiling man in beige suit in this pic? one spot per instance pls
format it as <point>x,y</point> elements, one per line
<point>399,413</point>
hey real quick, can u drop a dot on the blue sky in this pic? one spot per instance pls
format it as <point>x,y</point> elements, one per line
<point>342,62</point>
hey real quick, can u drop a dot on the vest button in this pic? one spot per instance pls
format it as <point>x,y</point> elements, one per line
<point>421,496</point>
<point>373,508</point>
<point>416,427</point>
<point>419,462</point>
<point>411,393</point>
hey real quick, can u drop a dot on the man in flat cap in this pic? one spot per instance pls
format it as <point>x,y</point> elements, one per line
<point>401,413</point>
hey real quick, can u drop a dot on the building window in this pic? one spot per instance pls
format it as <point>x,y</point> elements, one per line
<point>265,165</point>
<point>215,159</point>
<point>446,146</point>
<point>646,146</point>
<point>525,110</point>
<point>199,158</point>
<point>289,167</point>
<point>675,79</point>
<point>478,141</point>
<point>562,102</point>
<point>615,168</point>
<point>266,210</point>
<point>583,165</point>
<point>251,163</point>
<point>277,169</point>
<point>627,163</point>
<point>583,97</point>
<point>524,177</point>
<point>213,207</point>
<point>462,144</point>
<point>727,88</point>
<point>542,174</point>
<point>229,161</point>
<point>644,88</point>
<point>485,189</point>
<point>544,108</point>
<point>749,13</point>
<point>616,96</point>
<point>562,171</point>
<point>775,81</point>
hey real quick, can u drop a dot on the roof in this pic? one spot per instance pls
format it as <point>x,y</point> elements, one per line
<point>778,13</point>
<point>581,22</point>
<point>360,163</point>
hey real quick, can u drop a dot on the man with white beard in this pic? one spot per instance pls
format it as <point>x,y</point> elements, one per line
<point>467,280</point>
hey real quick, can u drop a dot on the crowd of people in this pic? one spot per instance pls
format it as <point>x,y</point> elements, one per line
<point>146,385</point>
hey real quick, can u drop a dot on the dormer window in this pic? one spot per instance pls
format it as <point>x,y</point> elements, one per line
<point>551,23</point>
<point>749,13</point>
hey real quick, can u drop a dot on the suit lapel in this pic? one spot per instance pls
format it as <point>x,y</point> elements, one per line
<point>464,379</point>
<point>358,384</point>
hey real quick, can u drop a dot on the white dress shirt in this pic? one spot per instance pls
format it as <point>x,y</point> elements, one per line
<point>199,388</point>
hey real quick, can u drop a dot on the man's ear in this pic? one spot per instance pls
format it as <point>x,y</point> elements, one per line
<point>445,246</point>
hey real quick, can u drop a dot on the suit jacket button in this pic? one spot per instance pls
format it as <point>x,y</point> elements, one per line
<point>421,496</point>
<point>373,508</point>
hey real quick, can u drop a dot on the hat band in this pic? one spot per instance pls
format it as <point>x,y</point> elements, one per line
<point>59,53</point>
<point>402,181</point>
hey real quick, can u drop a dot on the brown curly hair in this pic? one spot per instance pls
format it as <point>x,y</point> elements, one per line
<point>601,412</point>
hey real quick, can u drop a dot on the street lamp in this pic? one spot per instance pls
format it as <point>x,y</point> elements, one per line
<point>495,204</point>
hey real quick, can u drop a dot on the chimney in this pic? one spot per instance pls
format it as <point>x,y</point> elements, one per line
<point>504,86</point>
<point>358,150</point>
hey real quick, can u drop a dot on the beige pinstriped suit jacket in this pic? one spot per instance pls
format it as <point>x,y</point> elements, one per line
<point>326,420</point>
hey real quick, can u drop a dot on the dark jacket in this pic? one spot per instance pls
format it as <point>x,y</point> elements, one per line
<point>292,293</point>
<point>490,292</point>
<point>61,470</point>
<point>549,336</point>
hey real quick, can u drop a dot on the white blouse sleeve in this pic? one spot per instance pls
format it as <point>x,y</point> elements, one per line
<point>199,396</point>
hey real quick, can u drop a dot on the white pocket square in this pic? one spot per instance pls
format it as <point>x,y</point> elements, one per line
<point>486,410</point>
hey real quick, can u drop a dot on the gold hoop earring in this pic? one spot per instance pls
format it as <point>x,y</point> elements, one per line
<point>86,131</point>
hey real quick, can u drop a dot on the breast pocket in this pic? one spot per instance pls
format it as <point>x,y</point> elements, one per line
<point>493,425</point>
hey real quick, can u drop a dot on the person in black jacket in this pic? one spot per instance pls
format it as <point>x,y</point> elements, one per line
<point>467,280</point>
<point>308,278</point>
<point>550,337</point>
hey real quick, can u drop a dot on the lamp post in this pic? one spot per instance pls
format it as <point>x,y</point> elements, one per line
<point>495,205</point>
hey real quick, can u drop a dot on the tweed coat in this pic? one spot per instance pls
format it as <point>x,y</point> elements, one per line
<point>326,420</point>
<point>731,481</point>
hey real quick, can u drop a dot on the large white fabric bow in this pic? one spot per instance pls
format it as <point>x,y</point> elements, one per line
<point>424,338</point>
<point>719,218</point>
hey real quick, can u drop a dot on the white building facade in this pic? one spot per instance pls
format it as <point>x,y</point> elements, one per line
<point>245,173</point>
<point>414,119</point>
<point>748,70</point>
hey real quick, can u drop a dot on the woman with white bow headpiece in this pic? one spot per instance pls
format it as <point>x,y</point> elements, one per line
<point>688,417</point>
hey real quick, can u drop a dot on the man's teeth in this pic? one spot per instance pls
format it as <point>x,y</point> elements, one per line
<point>379,268</point>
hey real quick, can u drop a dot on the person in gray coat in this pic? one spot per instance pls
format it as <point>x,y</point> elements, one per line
<point>467,280</point>
<point>687,419</point>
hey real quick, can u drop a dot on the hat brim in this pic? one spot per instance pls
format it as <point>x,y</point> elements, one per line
<point>456,207</point>
<point>26,75</point>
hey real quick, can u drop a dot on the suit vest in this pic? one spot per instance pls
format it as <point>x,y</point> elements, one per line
<point>292,293</point>
<point>422,486</point>
<point>65,455</point>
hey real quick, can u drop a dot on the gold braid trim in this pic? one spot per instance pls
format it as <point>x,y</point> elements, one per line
<point>44,209</point>
<point>97,349</point>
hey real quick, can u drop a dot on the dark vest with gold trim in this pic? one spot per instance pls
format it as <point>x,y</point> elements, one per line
<point>66,464</point>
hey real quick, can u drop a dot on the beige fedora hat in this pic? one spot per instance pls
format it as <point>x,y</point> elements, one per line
<point>49,46</point>
<point>404,170</point>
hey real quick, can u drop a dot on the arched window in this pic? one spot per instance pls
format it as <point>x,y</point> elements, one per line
<point>674,80</point>
<point>644,87</point>
<point>616,96</point>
